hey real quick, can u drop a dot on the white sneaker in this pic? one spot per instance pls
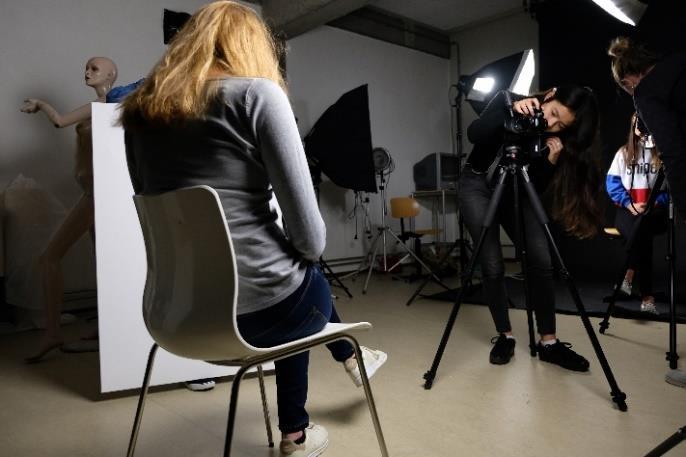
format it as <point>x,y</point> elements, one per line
<point>316,441</point>
<point>200,385</point>
<point>649,307</point>
<point>373,359</point>
<point>625,288</point>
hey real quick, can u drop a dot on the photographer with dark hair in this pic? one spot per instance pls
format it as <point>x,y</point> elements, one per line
<point>658,87</point>
<point>569,170</point>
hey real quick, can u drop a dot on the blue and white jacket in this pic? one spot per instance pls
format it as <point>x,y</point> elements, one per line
<point>631,183</point>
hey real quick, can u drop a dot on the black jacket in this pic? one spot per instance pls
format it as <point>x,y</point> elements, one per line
<point>660,101</point>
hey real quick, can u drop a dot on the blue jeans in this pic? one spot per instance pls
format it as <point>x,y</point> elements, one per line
<point>474,196</point>
<point>305,312</point>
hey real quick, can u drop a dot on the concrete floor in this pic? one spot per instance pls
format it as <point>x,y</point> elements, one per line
<point>526,408</point>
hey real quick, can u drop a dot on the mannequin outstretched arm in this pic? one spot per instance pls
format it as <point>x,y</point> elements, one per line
<point>33,105</point>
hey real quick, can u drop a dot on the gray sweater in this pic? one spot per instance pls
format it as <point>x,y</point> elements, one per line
<point>247,148</point>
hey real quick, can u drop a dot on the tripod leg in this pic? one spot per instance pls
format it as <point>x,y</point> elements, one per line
<point>672,355</point>
<point>620,276</point>
<point>430,375</point>
<point>335,277</point>
<point>426,281</point>
<point>669,443</point>
<point>521,250</point>
<point>618,396</point>
<point>605,323</point>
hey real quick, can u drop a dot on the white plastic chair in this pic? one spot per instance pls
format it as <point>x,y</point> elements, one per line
<point>189,304</point>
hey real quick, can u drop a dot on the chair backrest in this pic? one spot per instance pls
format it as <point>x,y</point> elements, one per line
<point>404,207</point>
<point>191,289</point>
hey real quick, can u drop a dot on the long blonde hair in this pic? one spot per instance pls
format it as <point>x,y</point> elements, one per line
<point>223,38</point>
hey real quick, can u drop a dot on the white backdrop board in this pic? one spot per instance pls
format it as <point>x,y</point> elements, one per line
<point>121,269</point>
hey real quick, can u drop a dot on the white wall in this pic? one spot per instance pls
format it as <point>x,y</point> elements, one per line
<point>45,45</point>
<point>409,111</point>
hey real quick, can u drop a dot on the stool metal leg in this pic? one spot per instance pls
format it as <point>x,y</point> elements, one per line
<point>233,406</point>
<point>141,401</point>
<point>265,406</point>
<point>370,397</point>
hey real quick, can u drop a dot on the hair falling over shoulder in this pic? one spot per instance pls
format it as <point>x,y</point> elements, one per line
<point>223,38</point>
<point>577,185</point>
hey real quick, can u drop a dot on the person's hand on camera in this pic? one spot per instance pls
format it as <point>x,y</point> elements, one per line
<point>555,147</point>
<point>636,208</point>
<point>527,106</point>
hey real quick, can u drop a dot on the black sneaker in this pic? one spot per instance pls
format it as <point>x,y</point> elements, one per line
<point>503,350</point>
<point>561,354</point>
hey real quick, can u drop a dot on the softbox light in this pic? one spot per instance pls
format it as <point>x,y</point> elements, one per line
<point>340,143</point>
<point>514,73</point>
<point>627,11</point>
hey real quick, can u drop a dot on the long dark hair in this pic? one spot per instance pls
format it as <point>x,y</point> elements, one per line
<point>578,181</point>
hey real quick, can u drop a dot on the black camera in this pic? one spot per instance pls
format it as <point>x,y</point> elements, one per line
<point>527,126</point>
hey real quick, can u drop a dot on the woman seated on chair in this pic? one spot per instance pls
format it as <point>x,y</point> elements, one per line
<point>214,111</point>
<point>572,117</point>
<point>630,179</point>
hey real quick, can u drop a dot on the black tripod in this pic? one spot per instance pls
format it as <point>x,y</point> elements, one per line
<point>669,443</point>
<point>512,166</point>
<point>672,355</point>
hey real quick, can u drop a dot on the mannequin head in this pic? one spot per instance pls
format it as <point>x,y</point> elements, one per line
<point>100,74</point>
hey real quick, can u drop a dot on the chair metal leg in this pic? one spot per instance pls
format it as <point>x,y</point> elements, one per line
<point>265,406</point>
<point>141,401</point>
<point>370,397</point>
<point>233,405</point>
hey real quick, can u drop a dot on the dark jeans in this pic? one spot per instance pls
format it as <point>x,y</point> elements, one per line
<point>474,196</point>
<point>641,256</point>
<point>305,312</point>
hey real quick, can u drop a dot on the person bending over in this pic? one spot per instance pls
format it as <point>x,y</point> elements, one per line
<point>214,111</point>
<point>630,179</point>
<point>658,87</point>
<point>572,116</point>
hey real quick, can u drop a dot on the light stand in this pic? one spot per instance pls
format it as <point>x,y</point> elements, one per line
<point>333,277</point>
<point>460,242</point>
<point>384,165</point>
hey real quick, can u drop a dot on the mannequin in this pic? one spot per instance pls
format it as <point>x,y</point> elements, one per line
<point>100,74</point>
